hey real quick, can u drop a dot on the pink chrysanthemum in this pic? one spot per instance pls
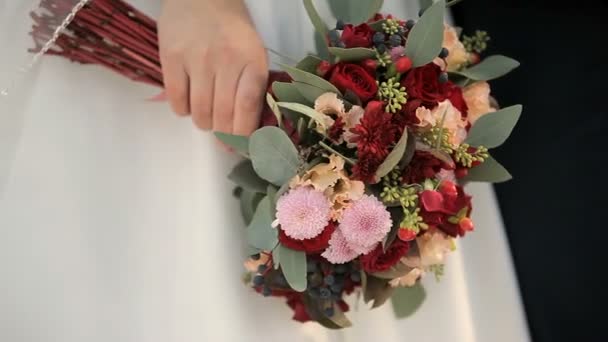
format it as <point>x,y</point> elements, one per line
<point>339,251</point>
<point>303,213</point>
<point>365,223</point>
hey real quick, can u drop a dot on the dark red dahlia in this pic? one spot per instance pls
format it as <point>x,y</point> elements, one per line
<point>378,260</point>
<point>314,245</point>
<point>374,136</point>
<point>335,131</point>
<point>423,165</point>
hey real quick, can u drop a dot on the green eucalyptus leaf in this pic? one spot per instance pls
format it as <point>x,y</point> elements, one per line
<point>321,47</point>
<point>315,18</point>
<point>410,150</point>
<point>407,300</point>
<point>396,216</point>
<point>238,142</point>
<point>353,54</point>
<point>244,175</point>
<point>260,233</point>
<point>271,192</point>
<point>249,202</point>
<point>424,4</point>
<point>377,290</point>
<point>489,171</point>
<point>394,157</point>
<point>490,68</point>
<point>273,155</point>
<point>309,64</point>
<point>276,257</point>
<point>287,92</point>
<point>308,78</point>
<point>310,92</point>
<point>293,265</point>
<point>353,13</point>
<point>426,38</point>
<point>493,129</point>
<point>309,112</point>
<point>275,109</point>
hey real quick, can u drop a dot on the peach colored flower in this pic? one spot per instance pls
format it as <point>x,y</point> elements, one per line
<point>331,179</point>
<point>409,279</point>
<point>352,119</point>
<point>458,55</point>
<point>433,247</point>
<point>252,265</point>
<point>447,114</point>
<point>477,98</point>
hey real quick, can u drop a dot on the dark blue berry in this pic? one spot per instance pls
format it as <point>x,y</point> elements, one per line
<point>443,77</point>
<point>395,40</point>
<point>444,53</point>
<point>237,191</point>
<point>255,257</point>
<point>340,24</point>
<point>378,38</point>
<point>329,280</point>
<point>324,293</point>
<point>381,48</point>
<point>329,312</point>
<point>421,12</point>
<point>262,268</point>
<point>334,36</point>
<point>266,291</point>
<point>314,292</point>
<point>336,288</point>
<point>409,24</point>
<point>355,276</point>
<point>340,269</point>
<point>258,280</point>
<point>311,267</point>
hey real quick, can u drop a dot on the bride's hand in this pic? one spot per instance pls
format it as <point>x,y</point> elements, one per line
<point>214,63</point>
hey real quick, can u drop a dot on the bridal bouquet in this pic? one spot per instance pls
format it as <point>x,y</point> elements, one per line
<point>353,184</point>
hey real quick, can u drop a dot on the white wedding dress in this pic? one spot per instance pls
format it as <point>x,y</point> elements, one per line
<point>117,224</point>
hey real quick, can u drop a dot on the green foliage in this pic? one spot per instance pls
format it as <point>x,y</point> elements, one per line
<point>426,38</point>
<point>407,300</point>
<point>273,155</point>
<point>493,129</point>
<point>260,233</point>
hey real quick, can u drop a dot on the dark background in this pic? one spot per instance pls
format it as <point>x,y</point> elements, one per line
<point>555,209</point>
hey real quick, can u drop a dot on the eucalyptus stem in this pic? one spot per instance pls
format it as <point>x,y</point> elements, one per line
<point>330,149</point>
<point>440,138</point>
<point>452,3</point>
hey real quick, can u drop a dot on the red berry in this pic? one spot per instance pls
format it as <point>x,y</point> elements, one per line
<point>466,224</point>
<point>461,172</point>
<point>448,188</point>
<point>370,65</point>
<point>323,68</point>
<point>474,58</point>
<point>403,64</point>
<point>406,234</point>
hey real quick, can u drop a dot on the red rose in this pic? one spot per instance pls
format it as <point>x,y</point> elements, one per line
<point>357,36</point>
<point>423,84</point>
<point>346,76</point>
<point>314,245</point>
<point>378,260</point>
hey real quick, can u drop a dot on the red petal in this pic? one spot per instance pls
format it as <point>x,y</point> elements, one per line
<point>431,200</point>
